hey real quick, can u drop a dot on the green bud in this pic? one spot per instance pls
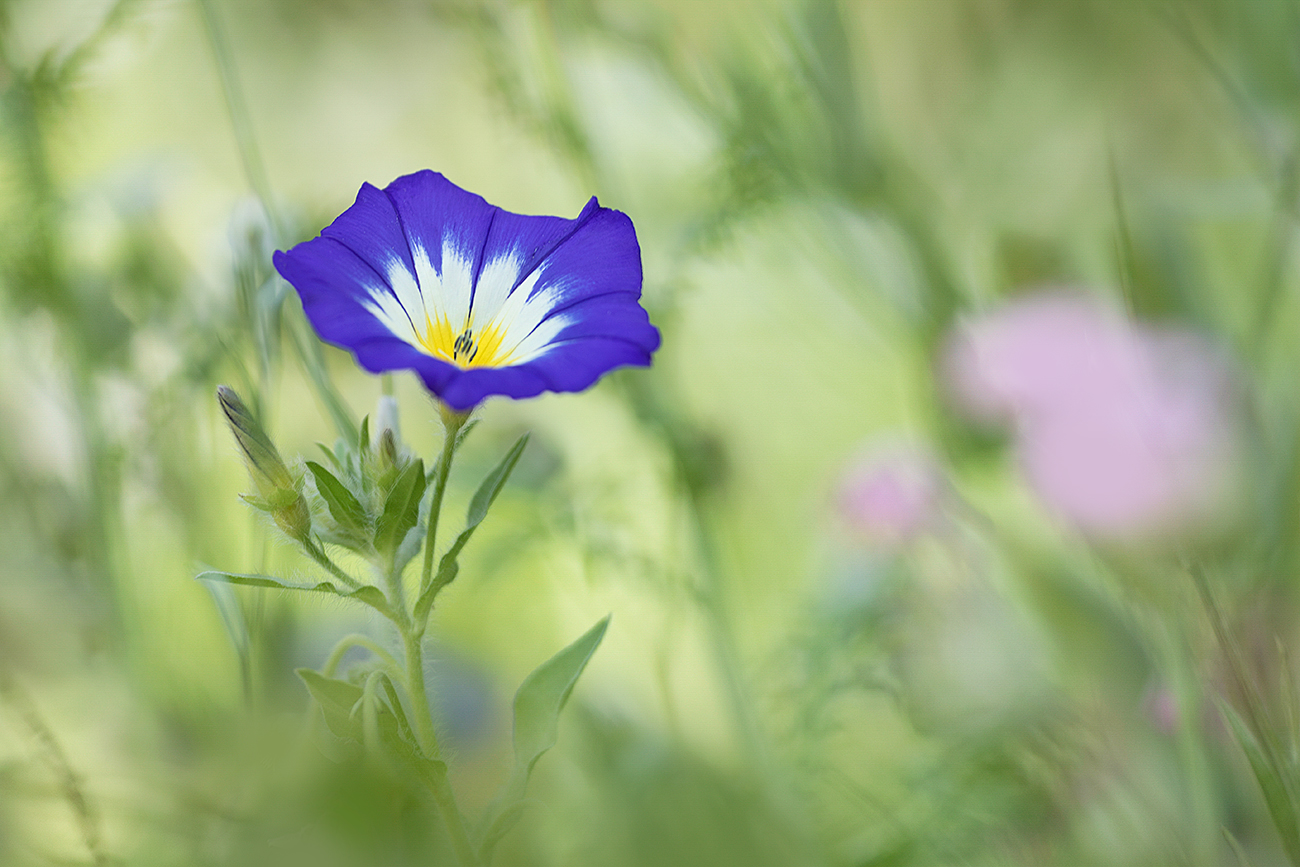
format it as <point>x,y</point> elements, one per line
<point>386,415</point>
<point>294,519</point>
<point>278,491</point>
<point>388,454</point>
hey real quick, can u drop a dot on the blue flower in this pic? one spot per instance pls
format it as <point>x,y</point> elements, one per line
<point>425,276</point>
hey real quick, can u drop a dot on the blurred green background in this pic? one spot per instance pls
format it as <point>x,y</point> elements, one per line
<point>821,191</point>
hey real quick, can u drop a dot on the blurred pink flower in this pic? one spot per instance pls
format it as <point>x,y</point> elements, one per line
<point>1123,430</point>
<point>891,495</point>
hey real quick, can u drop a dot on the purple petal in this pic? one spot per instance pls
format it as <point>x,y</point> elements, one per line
<point>581,317</point>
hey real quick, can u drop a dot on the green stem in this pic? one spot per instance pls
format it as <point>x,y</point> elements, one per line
<point>397,594</point>
<point>1257,716</point>
<point>318,554</point>
<point>356,639</point>
<point>434,773</point>
<point>421,717</point>
<point>452,422</point>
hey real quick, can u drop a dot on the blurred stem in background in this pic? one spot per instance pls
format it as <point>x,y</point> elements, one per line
<point>14,698</point>
<point>304,344</point>
<point>36,277</point>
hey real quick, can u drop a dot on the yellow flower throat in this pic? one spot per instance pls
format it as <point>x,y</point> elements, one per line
<point>466,349</point>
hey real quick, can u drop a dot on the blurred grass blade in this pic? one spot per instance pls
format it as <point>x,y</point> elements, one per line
<point>367,594</point>
<point>313,362</point>
<point>1277,795</point>
<point>232,618</point>
<point>1237,850</point>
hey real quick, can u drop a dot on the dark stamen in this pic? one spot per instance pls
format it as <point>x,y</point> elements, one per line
<point>464,346</point>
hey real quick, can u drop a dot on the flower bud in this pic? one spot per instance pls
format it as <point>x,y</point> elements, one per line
<point>386,416</point>
<point>277,489</point>
<point>388,452</point>
<point>294,518</point>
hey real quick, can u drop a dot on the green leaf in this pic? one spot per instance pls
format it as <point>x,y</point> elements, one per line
<point>479,505</point>
<point>405,734</point>
<point>401,509</point>
<point>501,825</point>
<point>329,453</point>
<point>256,502</point>
<point>337,699</point>
<point>363,438</point>
<point>538,703</point>
<point>487,492</point>
<point>231,615</point>
<point>367,594</point>
<point>1277,795</point>
<point>344,507</point>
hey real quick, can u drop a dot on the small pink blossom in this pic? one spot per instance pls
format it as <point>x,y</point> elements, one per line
<point>890,496</point>
<point>1123,430</point>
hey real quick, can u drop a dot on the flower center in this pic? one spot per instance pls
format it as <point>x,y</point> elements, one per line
<point>466,349</point>
<point>463,349</point>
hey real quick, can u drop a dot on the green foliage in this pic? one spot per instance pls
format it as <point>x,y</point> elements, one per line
<point>820,190</point>
<point>537,707</point>
<point>368,595</point>
<point>401,509</point>
<point>343,504</point>
<point>483,498</point>
<point>339,700</point>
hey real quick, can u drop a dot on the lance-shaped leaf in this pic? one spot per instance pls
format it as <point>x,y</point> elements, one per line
<point>363,437</point>
<point>368,593</point>
<point>343,505</point>
<point>401,509</point>
<point>329,453</point>
<point>479,505</point>
<point>538,703</point>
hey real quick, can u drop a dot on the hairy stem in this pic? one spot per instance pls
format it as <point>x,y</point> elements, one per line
<point>318,554</point>
<point>452,422</point>
<point>434,774</point>
<point>356,639</point>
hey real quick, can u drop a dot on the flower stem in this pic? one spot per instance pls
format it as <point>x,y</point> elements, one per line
<point>318,554</point>
<point>434,773</point>
<point>452,423</point>
<point>356,639</point>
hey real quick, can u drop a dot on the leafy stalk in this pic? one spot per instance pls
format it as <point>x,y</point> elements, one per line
<point>452,423</point>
